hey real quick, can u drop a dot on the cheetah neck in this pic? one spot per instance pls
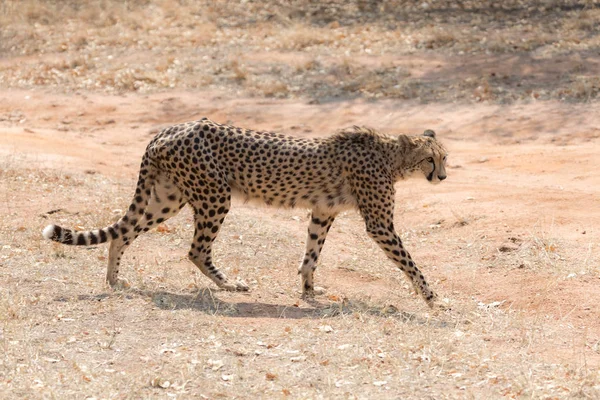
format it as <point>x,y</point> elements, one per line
<point>403,155</point>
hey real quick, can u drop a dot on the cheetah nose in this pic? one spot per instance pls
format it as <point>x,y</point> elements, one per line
<point>441,177</point>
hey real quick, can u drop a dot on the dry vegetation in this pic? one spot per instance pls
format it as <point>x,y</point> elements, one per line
<point>510,240</point>
<point>322,50</point>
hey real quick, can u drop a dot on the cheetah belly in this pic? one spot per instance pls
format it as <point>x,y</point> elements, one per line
<point>336,200</point>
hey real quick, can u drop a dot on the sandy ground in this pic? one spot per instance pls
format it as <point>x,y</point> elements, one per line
<point>509,241</point>
<point>514,227</point>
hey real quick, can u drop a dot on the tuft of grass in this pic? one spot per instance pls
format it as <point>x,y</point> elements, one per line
<point>274,89</point>
<point>582,88</point>
<point>238,71</point>
<point>301,37</point>
<point>438,38</point>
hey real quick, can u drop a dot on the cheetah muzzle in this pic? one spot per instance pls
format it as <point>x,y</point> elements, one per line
<point>203,164</point>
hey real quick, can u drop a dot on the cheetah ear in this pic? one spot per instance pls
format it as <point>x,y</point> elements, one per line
<point>429,133</point>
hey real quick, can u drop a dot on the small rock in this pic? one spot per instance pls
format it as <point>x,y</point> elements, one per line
<point>160,383</point>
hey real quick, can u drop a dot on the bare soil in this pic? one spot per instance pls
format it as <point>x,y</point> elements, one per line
<point>510,240</point>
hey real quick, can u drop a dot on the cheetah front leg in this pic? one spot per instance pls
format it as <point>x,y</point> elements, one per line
<point>379,220</point>
<point>320,223</point>
<point>391,244</point>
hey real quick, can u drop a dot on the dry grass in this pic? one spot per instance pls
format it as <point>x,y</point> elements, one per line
<point>159,45</point>
<point>301,37</point>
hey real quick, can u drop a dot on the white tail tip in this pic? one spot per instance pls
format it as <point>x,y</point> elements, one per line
<point>48,231</point>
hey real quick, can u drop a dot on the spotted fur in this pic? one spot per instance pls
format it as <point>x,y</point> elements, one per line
<point>203,164</point>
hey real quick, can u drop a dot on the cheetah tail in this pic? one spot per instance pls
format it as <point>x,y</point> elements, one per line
<point>123,226</point>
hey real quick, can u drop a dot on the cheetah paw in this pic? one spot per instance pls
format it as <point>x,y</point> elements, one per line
<point>237,286</point>
<point>440,304</point>
<point>241,286</point>
<point>318,290</point>
<point>121,284</point>
<point>310,293</point>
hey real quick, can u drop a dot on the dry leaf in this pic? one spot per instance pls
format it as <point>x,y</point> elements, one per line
<point>270,376</point>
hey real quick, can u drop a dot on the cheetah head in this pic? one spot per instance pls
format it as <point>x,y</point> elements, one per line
<point>430,157</point>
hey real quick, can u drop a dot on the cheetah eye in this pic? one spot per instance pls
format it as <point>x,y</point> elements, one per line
<point>430,159</point>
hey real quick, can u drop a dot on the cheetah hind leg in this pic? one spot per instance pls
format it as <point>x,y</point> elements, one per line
<point>165,202</point>
<point>208,222</point>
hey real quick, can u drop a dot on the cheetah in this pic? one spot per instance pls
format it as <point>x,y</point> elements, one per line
<point>203,163</point>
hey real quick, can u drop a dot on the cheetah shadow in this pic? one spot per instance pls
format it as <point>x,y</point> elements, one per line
<point>207,301</point>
